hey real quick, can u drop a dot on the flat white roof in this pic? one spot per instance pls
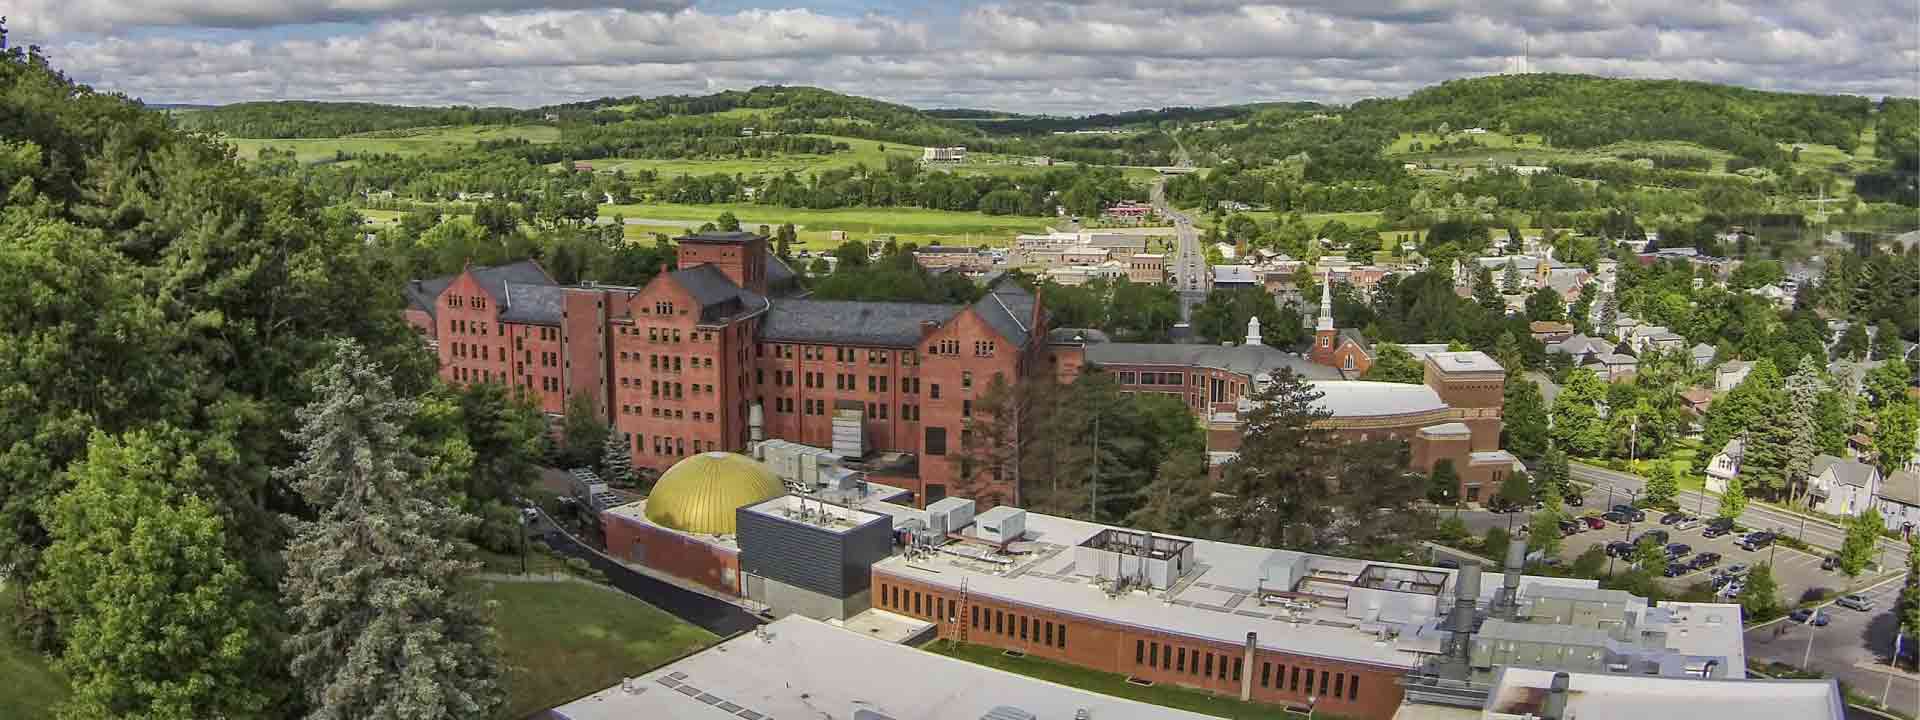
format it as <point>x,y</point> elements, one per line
<point>814,513</point>
<point>1597,696</point>
<point>1468,361</point>
<point>1219,602</point>
<point>1367,398</point>
<point>805,668</point>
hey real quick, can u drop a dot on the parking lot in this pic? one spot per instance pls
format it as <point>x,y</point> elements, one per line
<point>1798,573</point>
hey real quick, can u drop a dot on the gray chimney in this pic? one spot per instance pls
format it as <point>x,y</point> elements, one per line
<point>1557,698</point>
<point>1466,595</point>
<point>1516,562</point>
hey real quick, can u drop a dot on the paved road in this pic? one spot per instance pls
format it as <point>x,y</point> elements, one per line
<point>718,617</point>
<point>1816,532</point>
<point>1189,263</point>
<point>1853,647</point>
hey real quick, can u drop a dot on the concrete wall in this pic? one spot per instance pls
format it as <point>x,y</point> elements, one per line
<point>782,600</point>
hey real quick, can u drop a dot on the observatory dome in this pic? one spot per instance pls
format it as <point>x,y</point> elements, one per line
<point>700,493</point>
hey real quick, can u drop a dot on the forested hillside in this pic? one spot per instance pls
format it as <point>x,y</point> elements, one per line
<point>306,119</point>
<point>1581,111</point>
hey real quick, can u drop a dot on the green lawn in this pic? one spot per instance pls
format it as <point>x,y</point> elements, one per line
<point>32,686</point>
<point>413,141</point>
<point>1110,684</point>
<point>562,641</point>
<point>971,228</point>
<point>1489,141</point>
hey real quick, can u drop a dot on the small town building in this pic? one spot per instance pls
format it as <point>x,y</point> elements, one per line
<point>1842,487</point>
<point>1900,501</point>
<point>1725,466</point>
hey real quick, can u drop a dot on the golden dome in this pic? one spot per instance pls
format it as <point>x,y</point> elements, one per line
<point>700,493</point>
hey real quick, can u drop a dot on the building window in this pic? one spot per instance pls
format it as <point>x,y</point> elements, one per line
<point>975,610</point>
<point>934,391</point>
<point>1236,669</point>
<point>966,408</point>
<point>1023,627</point>
<point>966,379</point>
<point>1339,684</point>
<point>1353,687</point>
<point>1209,671</point>
<point>1139,651</point>
<point>1296,678</point>
<point>936,440</point>
<point>1266,674</point>
<point>1153,654</point>
<point>1180,663</point>
<point>1323,681</point>
<point>999,622</point>
<point>1126,378</point>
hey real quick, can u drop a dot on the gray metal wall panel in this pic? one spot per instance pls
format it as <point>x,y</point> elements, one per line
<point>837,564</point>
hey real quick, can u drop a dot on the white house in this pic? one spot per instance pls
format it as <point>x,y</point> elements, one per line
<point>1900,501</point>
<point>1843,487</point>
<point>1702,355</point>
<point>1729,374</point>
<point>1581,347</point>
<point>1725,466</point>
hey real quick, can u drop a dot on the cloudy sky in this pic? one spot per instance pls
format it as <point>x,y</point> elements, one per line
<point>1062,56</point>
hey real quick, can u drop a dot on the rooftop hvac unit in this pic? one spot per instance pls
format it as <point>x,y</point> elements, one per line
<point>949,515</point>
<point>1001,525</point>
<point>834,477</point>
<point>849,438</point>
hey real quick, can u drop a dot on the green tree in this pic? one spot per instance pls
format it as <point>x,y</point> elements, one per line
<point>1577,425</point>
<point>1797,430</point>
<point>1392,363</point>
<point>1863,537</point>
<point>1486,294</point>
<point>1180,498</point>
<point>1650,556</point>
<point>1554,471</point>
<point>1909,609</point>
<point>1516,491</point>
<point>784,238</point>
<point>616,460</point>
<point>1524,430</point>
<point>383,619</point>
<point>1734,500</point>
<point>1510,279</point>
<point>1760,599</point>
<point>1886,342</point>
<point>1590,562</point>
<point>583,431</point>
<point>1662,485</point>
<point>1443,483</point>
<point>1886,383</point>
<point>727,222</point>
<point>1853,343</point>
<point>1543,532</point>
<point>1546,304</point>
<point>161,621</point>
<point>1894,430</point>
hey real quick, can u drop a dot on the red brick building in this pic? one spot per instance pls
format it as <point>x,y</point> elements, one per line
<point>676,365</point>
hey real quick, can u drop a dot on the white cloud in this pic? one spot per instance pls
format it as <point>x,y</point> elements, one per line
<point>57,16</point>
<point>1044,57</point>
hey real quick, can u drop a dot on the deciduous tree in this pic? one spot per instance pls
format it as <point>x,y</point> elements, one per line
<point>1862,541</point>
<point>1760,598</point>
<point>1392,363</point>
<point>1577,425</point>
<point>1524,430</point>
<point>1662,486</point>
<point>1895,427</point>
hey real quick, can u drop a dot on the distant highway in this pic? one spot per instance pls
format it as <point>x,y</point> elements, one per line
<point>1191,276</point>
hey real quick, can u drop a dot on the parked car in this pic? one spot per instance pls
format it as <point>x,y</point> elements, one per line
<point>1718,526</point>
<point>1658,536</point>
<point>1688,524</point>
<point>1679,550</point>
<point>1574,498</point>
<point>1672,518</point>
<point>1829,562</point>
<point>1676,569</point>
<point>1720,581</point>
<point>1500,505</point>
<point>1856,602</point>
<point>1569,527</point>
<point>1620,548</point>
<point>1623,509</point>
<point>1738,569</point>
<point>1819,617</point>
<point>1706,560</point>
<point>1637,515</point>
<point>1755,540</point>
<point>1595,522</point>
<point>1615,517</point>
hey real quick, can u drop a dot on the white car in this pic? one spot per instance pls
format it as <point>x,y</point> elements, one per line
<point>1855,602</point>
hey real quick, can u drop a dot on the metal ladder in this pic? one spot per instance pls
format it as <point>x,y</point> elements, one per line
<point>966,609</point>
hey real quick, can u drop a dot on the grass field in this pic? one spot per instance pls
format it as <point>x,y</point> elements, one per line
<point>414,141</point>
<point>1490,141</point>
<point>969,228</point>
<point>32,687</point>
<point>1110,684</point>
<point>564,640</point>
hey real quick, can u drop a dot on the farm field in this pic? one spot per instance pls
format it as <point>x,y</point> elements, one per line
<point>970,228</point>
<point>416,141</point>
<point>872,153</point>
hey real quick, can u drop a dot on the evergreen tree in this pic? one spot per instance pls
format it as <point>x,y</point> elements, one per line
<point>1443,483</point>
<point>1486,294</point>
<point>1543,532</point>
<point>1760,599</point>
<point>616,460</point>
<point>1909,609</point>
<point>1800,434</point>
<point>1516,491</point>
<point>1510,279</point>
<point>1554,470</point>
<point>1609,315</point>
<point>1853,344</point>
<point>1546,304</point>
<point>160,619</point>
<point>1886,341</point>
<point>1863,537</point>
<point>1180,498</point>
<point>583,432</point>
<point>1734,500</point>
<point>783,245</point>
<point>383,624</point>
<point>1524,430</point>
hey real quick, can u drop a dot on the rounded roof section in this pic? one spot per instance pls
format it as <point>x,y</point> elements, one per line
<point>700,493</point>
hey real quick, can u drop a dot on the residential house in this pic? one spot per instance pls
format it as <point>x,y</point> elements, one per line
<point>1725,466</point>
<point>1657,337</point>
<point>1617,367</point>
<point>965,259</point>
<point>1900,501</point>
<point>1582,348</point>
<point>1781,298</point>
<point>1842,487</point>
<point>1730,374</point>
<point>1550,332</point>
<point>1697,399</point>
<point>1228,277</point>
<point>1702,355</point>
<point>1624,325</point>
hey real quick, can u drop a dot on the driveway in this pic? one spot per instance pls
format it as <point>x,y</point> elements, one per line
<point>1853,647</point>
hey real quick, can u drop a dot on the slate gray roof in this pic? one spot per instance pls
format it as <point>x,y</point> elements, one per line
<point>778,271</point>
<point>717,295</point>
<point>1902,487</point>
<point>1247,360</point>
<point>1076,336</point>
<point>719,236</point>
<point>1703,353</point>
<point>1008,308</point>
<point>423,294</point>
<point>1358,339</point>
<point>1851,472</point>
<point>533,304</point>
<point>851,322</point>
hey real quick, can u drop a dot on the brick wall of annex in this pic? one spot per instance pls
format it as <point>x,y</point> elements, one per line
<point>1144,653</point>
<point>671,553</point>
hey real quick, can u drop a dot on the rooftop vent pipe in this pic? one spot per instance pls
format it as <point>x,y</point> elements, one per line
<point>1516,562</point>
<point>1466,594</point>
<point>1557,698</point>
